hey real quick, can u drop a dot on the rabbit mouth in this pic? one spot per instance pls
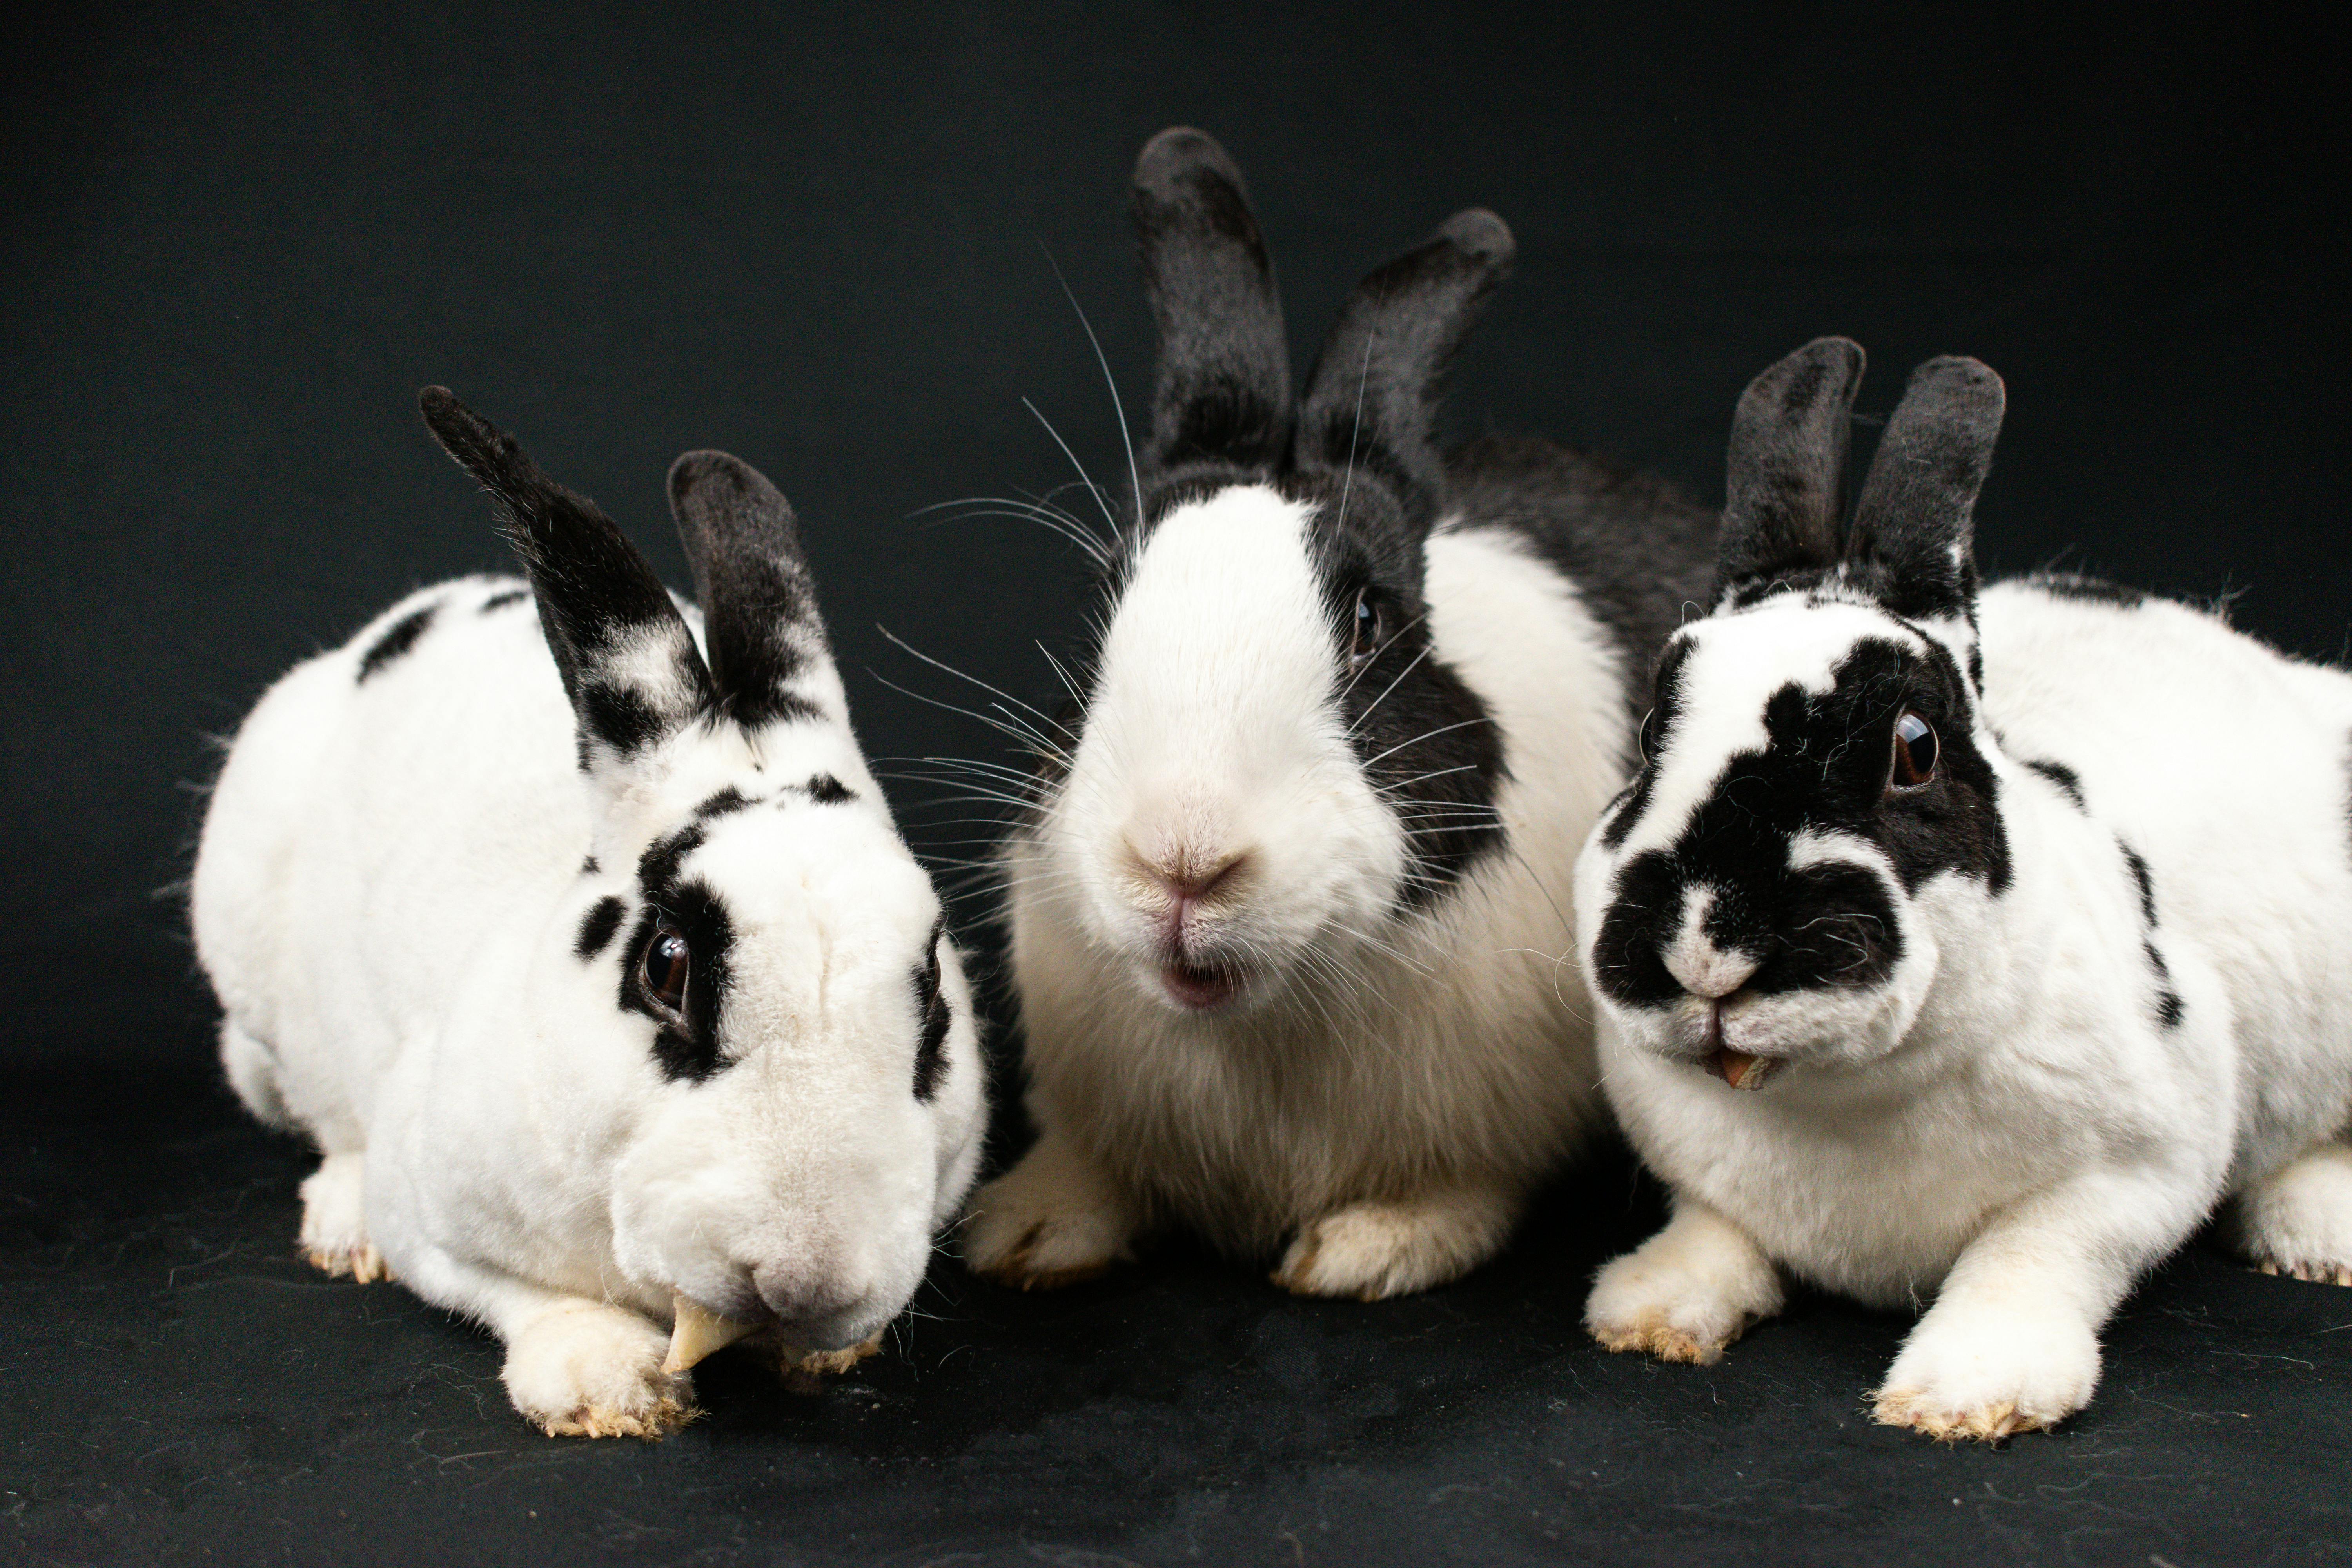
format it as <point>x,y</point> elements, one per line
<point>1197,986</point>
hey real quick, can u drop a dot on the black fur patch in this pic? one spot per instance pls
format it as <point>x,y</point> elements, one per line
<point>1824,768</point>
<point>620,716</point>
<point>2088,590</point>
<point>589,868</point>
<point>721,803</point>
<point>1640,553</point>
<point>2168,1005</point>
<point>500,600</point>
<point>931,1007</point>
<point>826,790</point>
<point>2064,778</point>
<point>396,639</point>
<point>596,930</point>
<point>688,1050</point>
<point>658,866</point>
<point>1665,712</point>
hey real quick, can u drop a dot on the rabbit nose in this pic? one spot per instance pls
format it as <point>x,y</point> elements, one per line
<point>810,1303</point>
<point>1187,874</point>
<point>1706,969</point>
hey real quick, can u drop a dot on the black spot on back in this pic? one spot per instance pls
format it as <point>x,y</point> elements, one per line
<point>2064,778</point>
<point>826,790</point>
<point>589,868</point>
<point>604,917</point>
<point>2168,1005</point>
<point>502,599</point>
<point>931,1007</point>
<point>396,639</point>
<point>2086,590</point>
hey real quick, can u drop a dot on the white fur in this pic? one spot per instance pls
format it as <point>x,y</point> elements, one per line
<point>2005,1128</point>
<point>1387,1085</point>
<point>387,897</point>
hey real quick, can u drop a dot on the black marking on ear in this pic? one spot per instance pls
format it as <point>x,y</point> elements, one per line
<point>598,598</point>
<point>2086,590</point>
<point>1221,393</point>
<point>1656,732</point>
<point>396,639</point>
<point>721,802</point>
<point>1786,469</point>
<point>931,1007</point>
<point>688,1052</point>
<point>826,790</point>
<point>2168,1005</point>
<point>1916,514</point>
<point>1824,769</point>
<point>658,866</point>
<point>500,600</point>
<point>596,930</point>
<point>2064,778</point>
<point>759,603</point>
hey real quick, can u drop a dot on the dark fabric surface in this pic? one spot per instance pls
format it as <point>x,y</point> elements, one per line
<point>236,242</point>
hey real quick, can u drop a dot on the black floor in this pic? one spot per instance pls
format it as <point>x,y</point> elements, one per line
<point>179,1389</point>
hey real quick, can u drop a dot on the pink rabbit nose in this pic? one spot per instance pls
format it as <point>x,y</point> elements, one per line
<point>1189,875</point>
<point>812,1305</point>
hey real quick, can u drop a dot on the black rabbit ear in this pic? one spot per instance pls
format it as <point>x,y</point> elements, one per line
<point>627,660</point>
<point>758,603</point>
<point>1223,393</point>
<point>1786,467</point>
<point>1371,402</point>
<point>1915,517</point>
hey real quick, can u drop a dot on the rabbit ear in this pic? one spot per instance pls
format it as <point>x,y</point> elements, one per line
<point>1223,393</point>
<point>758,603</point>
<point>1916,515</point>
<point>1787,465</point>
<point>627,660</point>
<point>1371,402</point>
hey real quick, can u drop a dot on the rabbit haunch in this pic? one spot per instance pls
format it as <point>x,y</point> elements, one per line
<point>605,984</point>
<point>2021,911</point>
<point>1289,918</point>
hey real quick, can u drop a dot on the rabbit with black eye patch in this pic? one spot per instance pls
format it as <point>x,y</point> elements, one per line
<point>1289,911</point>
<point>1959,945</point>
<point>623,1018</point>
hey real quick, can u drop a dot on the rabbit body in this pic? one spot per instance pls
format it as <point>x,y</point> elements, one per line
<point>1289,921</point>
<point>2112,989</point>
<point>431,886</point>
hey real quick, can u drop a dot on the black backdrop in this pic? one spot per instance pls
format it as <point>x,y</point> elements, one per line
<point>236,244</point>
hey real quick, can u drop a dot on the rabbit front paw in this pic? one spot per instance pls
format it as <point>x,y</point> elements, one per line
<point>1053,1219</point>
<point>2299,1221</point>
<point>1373,1250</point>
<point>334,1221</point>
<point>1685,1293</point>
<point>584,1369</point>
<point>1986,1375</point>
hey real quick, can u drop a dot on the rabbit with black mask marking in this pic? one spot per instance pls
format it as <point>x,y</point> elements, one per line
<point>624,1019</point>
<point>1957,945</point>
<point>1289,916</point>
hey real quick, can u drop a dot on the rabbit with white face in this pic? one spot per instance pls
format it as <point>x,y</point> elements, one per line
<point>1289,917</point>
<point>1959,945</point>
<point>623,1018</point>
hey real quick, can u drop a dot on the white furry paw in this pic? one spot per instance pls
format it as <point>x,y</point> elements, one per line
<point>334,1221</point>
<point>584,1369</point>
<point>1685,1293</point>
<point>1988,1374</point>
<point>1373,1250</point>
<point>2299,1222</point>
<point>1052,1220</point>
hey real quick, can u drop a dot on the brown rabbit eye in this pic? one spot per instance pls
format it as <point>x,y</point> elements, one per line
<point>664,968</point>
<point>1915,752</point>
<point>1364,641</point>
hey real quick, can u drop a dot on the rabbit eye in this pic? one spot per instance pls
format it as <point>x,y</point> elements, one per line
<point>1364,640</point>
<point>1914,753</point>
<point>664,968</point>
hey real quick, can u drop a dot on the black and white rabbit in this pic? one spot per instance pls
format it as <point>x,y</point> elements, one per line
<point>622,1016</point>
<point>1289,918</point>
<point>2022,913</point>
